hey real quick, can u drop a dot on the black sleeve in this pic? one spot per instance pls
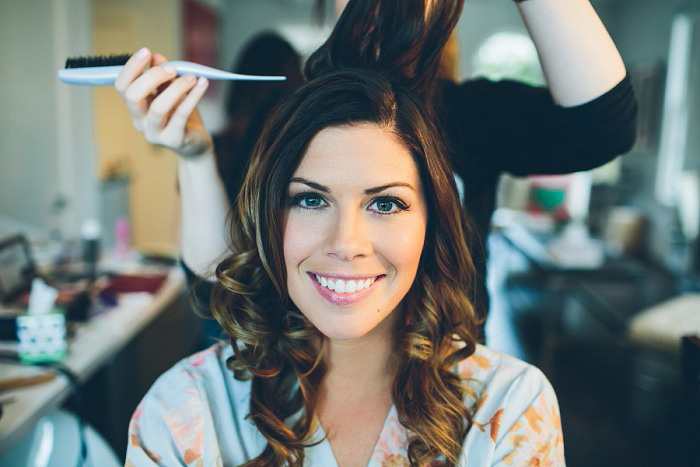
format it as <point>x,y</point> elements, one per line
<point>199,289</point>
<point>508,126</point>
<point>232,162</point>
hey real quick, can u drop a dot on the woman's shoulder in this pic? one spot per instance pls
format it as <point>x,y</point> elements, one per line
<point>203,377</point>
<point>496,376</point>
<point>181,417</point>
<point>515,411</point>
<point>202,366</point>
<point>194,381</point>
<point>486,363</point>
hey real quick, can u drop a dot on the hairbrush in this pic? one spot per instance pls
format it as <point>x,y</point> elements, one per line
<point>103,70</point>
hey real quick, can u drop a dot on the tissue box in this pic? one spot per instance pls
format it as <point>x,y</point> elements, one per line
<point>42,338</point>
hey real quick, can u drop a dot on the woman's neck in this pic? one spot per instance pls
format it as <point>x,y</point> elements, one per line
<point>355,394</point>
<point>365,364</point>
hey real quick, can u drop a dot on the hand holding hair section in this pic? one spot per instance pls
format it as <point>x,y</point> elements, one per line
<point>401,40</point>
<point>103,70</point>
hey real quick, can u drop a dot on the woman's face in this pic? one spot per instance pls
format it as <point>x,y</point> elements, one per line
<point>354,229</point>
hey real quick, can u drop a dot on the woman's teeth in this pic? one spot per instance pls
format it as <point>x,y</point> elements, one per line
<point>343,286</point>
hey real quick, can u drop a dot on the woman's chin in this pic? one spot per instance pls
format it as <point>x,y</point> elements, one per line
<point>344,331</point>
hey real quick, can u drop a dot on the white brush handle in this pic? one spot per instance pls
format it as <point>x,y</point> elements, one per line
<point>105,75</point>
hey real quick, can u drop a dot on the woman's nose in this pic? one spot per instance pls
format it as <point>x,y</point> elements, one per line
<point>349,237</point>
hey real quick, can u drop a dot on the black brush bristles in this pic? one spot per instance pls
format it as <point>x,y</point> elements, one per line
<point>97,60</point>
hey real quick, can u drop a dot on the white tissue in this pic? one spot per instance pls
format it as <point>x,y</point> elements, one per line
<point>90,229</point>
<point>42,298</point>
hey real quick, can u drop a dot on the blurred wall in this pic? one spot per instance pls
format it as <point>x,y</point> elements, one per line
<point>58,142</point>
<point>124,26</point>
<point>47,166</point>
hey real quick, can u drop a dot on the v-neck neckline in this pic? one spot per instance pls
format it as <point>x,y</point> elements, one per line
<point>322,454</point>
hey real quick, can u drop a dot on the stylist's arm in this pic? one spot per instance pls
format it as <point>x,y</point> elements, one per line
<point>579,59</point>
<point>164,108</point>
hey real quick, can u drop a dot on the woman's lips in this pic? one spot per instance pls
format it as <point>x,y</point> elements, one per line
<point>343,298</point>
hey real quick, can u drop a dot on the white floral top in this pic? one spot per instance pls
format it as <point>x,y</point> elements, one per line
<point>195,415</point>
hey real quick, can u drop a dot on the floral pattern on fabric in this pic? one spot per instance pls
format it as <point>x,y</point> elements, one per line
<point>195,415</point>
<point>133,436</point>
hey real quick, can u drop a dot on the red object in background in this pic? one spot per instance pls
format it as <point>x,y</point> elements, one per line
<point>200,34</point>
<point>128,283</point>
<point>201,30</point>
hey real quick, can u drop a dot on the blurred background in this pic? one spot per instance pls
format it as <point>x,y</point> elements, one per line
<point>594,277</point>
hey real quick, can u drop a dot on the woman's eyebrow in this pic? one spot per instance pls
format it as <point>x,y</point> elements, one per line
<point>377,189</point>
<point>314,185</point>
<point>368,191</point>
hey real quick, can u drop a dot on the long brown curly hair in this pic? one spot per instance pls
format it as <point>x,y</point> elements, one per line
<point>277,347</point>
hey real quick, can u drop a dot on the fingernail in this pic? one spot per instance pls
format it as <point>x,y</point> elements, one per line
<point>190,78</point>
<point>202,81</point>
<point>142,53</point>
<point>169,69</point>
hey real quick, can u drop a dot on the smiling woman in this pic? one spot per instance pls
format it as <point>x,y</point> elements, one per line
<point>346,191</point>
<point>347,301</point>
<point>349,231</point>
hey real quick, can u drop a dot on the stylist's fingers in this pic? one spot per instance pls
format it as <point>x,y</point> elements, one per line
<point>165,104</point>
<point>183,111</point>
<point>132,69</point>
<point>186,123</point>
<point>138,93</point>
<point>158,59</point>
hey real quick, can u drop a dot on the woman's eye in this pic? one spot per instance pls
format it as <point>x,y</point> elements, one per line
<point>307,201</point>
<point>387,205</point>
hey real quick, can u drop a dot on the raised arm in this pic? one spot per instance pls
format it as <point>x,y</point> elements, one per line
<point>585,117</point>
<point>579,59</point>
<point>164,108</point>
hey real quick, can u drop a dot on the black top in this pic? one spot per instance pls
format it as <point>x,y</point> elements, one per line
<point>506,126</point>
